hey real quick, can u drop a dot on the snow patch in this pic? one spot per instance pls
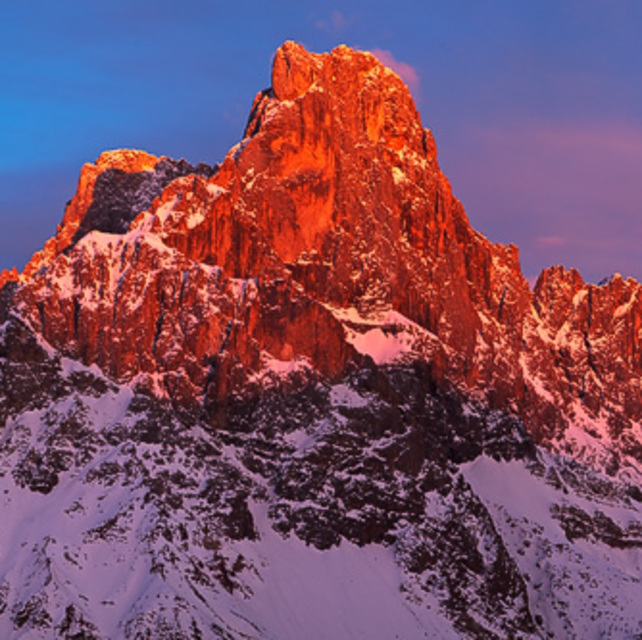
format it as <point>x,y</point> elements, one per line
<point>272,367</point>
<point>382,345</point>
<point>344,396</point>
<point>385,334</point>
<point>216,190</point>
<point>398,176</point>
<point>346,592</point>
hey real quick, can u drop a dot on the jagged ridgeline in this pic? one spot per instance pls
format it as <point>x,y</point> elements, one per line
<point>296,395</point>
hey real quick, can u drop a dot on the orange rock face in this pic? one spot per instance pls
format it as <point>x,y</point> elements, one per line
<point>126,161</point>
<point>333,203</point>
<point>8,276</point>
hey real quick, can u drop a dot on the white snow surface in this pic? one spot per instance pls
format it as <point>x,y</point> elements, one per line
<point>64,547</point>
<point>575,587</point>
<point>93,540</point>
<point>348,592</point>
<point>387,336</point>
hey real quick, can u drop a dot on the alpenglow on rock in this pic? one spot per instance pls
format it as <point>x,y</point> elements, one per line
<point>296,394</point>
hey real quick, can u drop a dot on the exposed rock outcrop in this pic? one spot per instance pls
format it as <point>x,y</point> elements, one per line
<point>333,200</point>
<point>310,341</point>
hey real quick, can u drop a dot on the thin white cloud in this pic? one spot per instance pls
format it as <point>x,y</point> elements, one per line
<point>550,241</point>
<point>337,22</point>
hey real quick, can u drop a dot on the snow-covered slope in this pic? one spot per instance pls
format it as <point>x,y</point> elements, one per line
<point>373,506</point>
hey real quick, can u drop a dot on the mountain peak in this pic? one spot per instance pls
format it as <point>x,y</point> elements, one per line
<point>337,128</point>
<point>371,98</point>
<point>110,193</point>
<point>128,160</point>
<point>293,70</point>
<point>332,210</point>
<point>206,368</point>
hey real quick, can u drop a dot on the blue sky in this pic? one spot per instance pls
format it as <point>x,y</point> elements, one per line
<point>536,106</point>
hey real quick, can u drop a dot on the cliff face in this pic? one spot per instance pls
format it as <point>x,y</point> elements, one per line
<point>320,305</point>
<point>334,193</point>
<point>333,201</point>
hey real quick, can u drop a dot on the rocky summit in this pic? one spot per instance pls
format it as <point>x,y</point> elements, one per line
<point>297,395</point>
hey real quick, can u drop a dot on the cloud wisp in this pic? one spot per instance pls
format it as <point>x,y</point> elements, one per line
<point>336,23</point>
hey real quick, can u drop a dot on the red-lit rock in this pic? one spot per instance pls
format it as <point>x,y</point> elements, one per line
<point>333,200</point>
<point>8,275</point>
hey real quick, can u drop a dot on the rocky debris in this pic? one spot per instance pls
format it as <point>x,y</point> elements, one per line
<point>597,527</point>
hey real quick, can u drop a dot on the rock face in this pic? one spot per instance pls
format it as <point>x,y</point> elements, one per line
<point>310,342</point>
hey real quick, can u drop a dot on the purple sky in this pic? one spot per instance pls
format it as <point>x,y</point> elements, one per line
<point>536,106</point>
